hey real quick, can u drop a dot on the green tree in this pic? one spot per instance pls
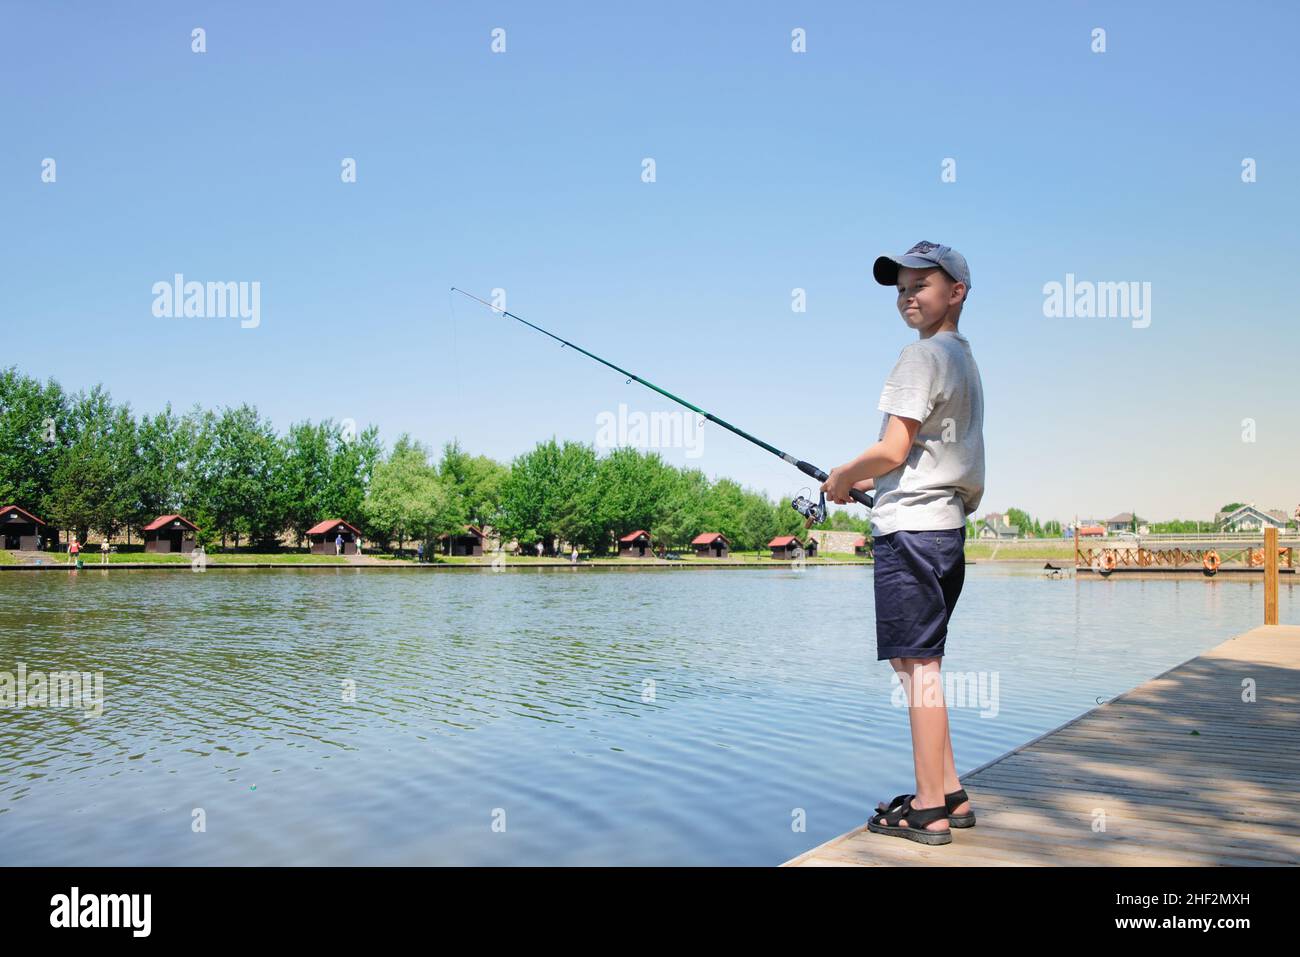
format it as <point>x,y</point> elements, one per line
<point>407,501</point>
<point>352,465</point>
<point>632,492</point>
<point>685,504</point>
<point>308,451</point>
<point>158,475</point>
<point>758,523</point>
<point>91,485</point>
<point>240,480</point>
<point>32,419</point>
<point>476,480</point>
<point>551,493</point>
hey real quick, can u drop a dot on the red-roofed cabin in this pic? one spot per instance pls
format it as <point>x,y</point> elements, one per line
<point>860,546</point>
<point>170,533</point>
<point>786,546</point>
<point>1092,531</point>
<point>634,544</point>
<point>20,530</point>
<point>324,537</point>
<point>711,545</point>
<point>471,543</point>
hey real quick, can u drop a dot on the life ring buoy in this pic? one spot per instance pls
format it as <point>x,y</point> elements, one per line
<point>1256,558</point>
<point>1108,561</point>
<point>1210,562</point>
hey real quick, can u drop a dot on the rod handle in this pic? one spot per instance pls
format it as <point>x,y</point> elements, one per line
<point>812,471</point>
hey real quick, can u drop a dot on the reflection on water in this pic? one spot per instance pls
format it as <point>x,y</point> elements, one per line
<point>538,716</point>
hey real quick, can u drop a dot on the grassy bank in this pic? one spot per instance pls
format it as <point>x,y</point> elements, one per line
<point>93,556</point>
<point>738,558</point>
<point>1053,550</point>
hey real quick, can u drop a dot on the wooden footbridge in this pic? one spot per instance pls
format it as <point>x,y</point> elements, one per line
<point>1197,554</point>
<point>1197,766</point>
<point>1185,769</point>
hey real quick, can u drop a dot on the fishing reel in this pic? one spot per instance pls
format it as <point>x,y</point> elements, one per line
<point>814,513</point>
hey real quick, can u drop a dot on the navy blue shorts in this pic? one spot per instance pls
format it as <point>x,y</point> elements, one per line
<point>918,578</point>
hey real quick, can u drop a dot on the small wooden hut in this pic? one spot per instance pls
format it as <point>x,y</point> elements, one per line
<point>470,543</point>
<point>861,547</point>
<point>634,544</point>
<point>711,545</point>
<point>786,547</point>
<point>170,533</point>
<point>324,537</point>
<point>20,530</point>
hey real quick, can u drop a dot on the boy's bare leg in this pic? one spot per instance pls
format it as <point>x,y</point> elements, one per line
<point>931,748</point>
<point>950,780</point>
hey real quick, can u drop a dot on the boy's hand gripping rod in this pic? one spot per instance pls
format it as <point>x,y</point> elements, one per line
<point>806,468</point>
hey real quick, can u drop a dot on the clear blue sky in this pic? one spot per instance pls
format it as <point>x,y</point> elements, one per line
<point>775,170</point>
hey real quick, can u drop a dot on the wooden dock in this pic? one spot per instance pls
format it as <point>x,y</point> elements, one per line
<point>1179,771</point>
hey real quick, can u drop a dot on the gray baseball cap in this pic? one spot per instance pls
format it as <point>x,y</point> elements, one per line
<point>923,256</point>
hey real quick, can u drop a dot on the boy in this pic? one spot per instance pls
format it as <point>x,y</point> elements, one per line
<point>927,470</point>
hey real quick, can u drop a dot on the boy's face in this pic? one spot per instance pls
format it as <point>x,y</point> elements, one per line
<point>927,296</point>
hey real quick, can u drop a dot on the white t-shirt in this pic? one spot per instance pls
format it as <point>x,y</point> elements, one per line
<point>936,382</point>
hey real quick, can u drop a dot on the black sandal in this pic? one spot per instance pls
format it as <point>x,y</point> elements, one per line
<point>950,801</point>
<point>917,819</point>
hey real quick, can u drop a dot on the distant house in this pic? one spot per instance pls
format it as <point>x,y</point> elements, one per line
<point>323,536</point>
<point>810,549</point>
<point>786,547</point>
<point>711,545</point>
<point>994,526</point>
<point>1249,518</point>
<point>634,544</point>
<point>470,542</point>
<point>1091,531</point>
<point>20,530</point>
<point>170,533</point>
<point>1123,522</point>
<point>861,547</point>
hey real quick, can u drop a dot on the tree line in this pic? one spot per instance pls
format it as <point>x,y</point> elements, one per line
<point>83,462</point>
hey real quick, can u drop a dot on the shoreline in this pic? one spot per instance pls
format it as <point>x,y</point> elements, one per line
<point>635,564</point>
<point>412,566</point>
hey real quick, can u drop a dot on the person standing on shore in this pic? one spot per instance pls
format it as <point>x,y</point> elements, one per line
<point>103,552</point>
<point>927,470</point>
<point>74,549</point>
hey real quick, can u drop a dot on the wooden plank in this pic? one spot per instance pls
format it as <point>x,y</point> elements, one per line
<point>1229,822</point>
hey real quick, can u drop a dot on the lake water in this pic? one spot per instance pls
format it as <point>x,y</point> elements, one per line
<point>540,716</point>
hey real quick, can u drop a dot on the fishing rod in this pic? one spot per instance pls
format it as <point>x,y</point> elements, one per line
<point>814,512</point>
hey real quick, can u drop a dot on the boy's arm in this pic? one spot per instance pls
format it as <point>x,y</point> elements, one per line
<point>885,456</point>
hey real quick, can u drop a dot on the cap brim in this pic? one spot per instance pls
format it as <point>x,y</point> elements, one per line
<point>886,268</point>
